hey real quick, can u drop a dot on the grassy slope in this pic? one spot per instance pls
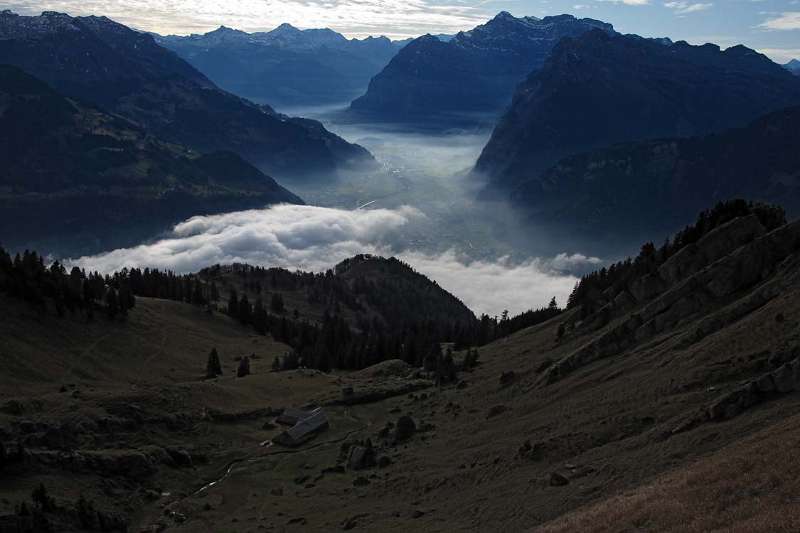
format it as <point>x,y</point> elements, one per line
<point>606,426</point>
<point>162,343</point>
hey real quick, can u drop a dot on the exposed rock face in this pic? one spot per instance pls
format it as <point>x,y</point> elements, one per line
<point>784,380</point>
<point>712,247</point>
<point>475,71</point>
<point>731,258</point>
<point>653,186</point>
<point>100,61</point>
<point>602,88</point>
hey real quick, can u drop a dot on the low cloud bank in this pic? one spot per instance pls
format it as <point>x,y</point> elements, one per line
<point>317,238</point>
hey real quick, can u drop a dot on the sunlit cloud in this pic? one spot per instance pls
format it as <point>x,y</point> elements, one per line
<point>397,18</point>
<point>627,2</point>
<point>684,8</point>
<point>781,55</point>
<point>785,21</point>
<point>317,238</point>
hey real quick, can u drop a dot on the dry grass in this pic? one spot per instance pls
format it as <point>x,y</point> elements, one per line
<point>747,487</point>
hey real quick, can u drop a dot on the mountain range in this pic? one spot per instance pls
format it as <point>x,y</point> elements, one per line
<point>286,66</point>
<point>75,179</point>
<point>126,72</point>
<point>602,88</point>
<point>793,66</point>
<point>651,187</point>
<point>475,71</point>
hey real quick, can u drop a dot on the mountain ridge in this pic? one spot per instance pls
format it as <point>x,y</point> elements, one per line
<point>475,71</point>
<point>653,185</point>
<point>79,179</point>
<point>312,66</point>
<point>127,72</point>
<point>600,89</point>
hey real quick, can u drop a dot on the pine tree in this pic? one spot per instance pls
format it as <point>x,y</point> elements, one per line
<point>277,303</point>
<point>112,303</point>
<point>233,304</point>
<point>41,499</point>
<point>213,366</point>
<point>245,310</point>
<point>260,317</point>
<point>244,367</point>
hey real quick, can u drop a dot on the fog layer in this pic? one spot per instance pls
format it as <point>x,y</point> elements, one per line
<point>419,204</point>
<point>317,238</point>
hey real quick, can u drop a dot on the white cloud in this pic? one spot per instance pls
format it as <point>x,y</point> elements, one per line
<point>317,238</point>
<point>781,55</point>
<point>352,17</point>
<point>684,8</point>
<point>628,2</point>
<point>789,20</point>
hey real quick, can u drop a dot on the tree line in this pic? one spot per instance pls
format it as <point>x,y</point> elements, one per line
<point>27,277</point>
<point>365,321</point>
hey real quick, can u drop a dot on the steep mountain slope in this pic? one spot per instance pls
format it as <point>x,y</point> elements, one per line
<point>669,398</point>
<point>651,187</point>
<point>75,179</point>
<point>600,89</point>
<point>126,72</point>
<point>286,66</point>
<point>475,71</point>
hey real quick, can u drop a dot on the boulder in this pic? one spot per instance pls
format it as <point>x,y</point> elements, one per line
<point>507,378</point>
<point>558,480</point>
<point>360,457</point>
<point>404,429</point>
<point>496,410</point>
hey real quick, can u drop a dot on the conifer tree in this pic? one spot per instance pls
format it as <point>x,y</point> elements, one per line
<point>233,304</point>
<point>276,304</point>
<point>112,303</point>
<point>244,367</point>
<point>213,366</point>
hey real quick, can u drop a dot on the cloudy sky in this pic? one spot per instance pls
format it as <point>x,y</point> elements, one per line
<point>772,26</point>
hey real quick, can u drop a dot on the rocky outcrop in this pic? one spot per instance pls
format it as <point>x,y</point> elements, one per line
<point>783,380</point>
<point>717,244</point>
<point>702,291</point>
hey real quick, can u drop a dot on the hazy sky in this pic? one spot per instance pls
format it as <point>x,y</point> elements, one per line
<point>772,26</point>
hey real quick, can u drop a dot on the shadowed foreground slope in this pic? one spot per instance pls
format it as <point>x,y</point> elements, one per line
<point>669,384</point>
